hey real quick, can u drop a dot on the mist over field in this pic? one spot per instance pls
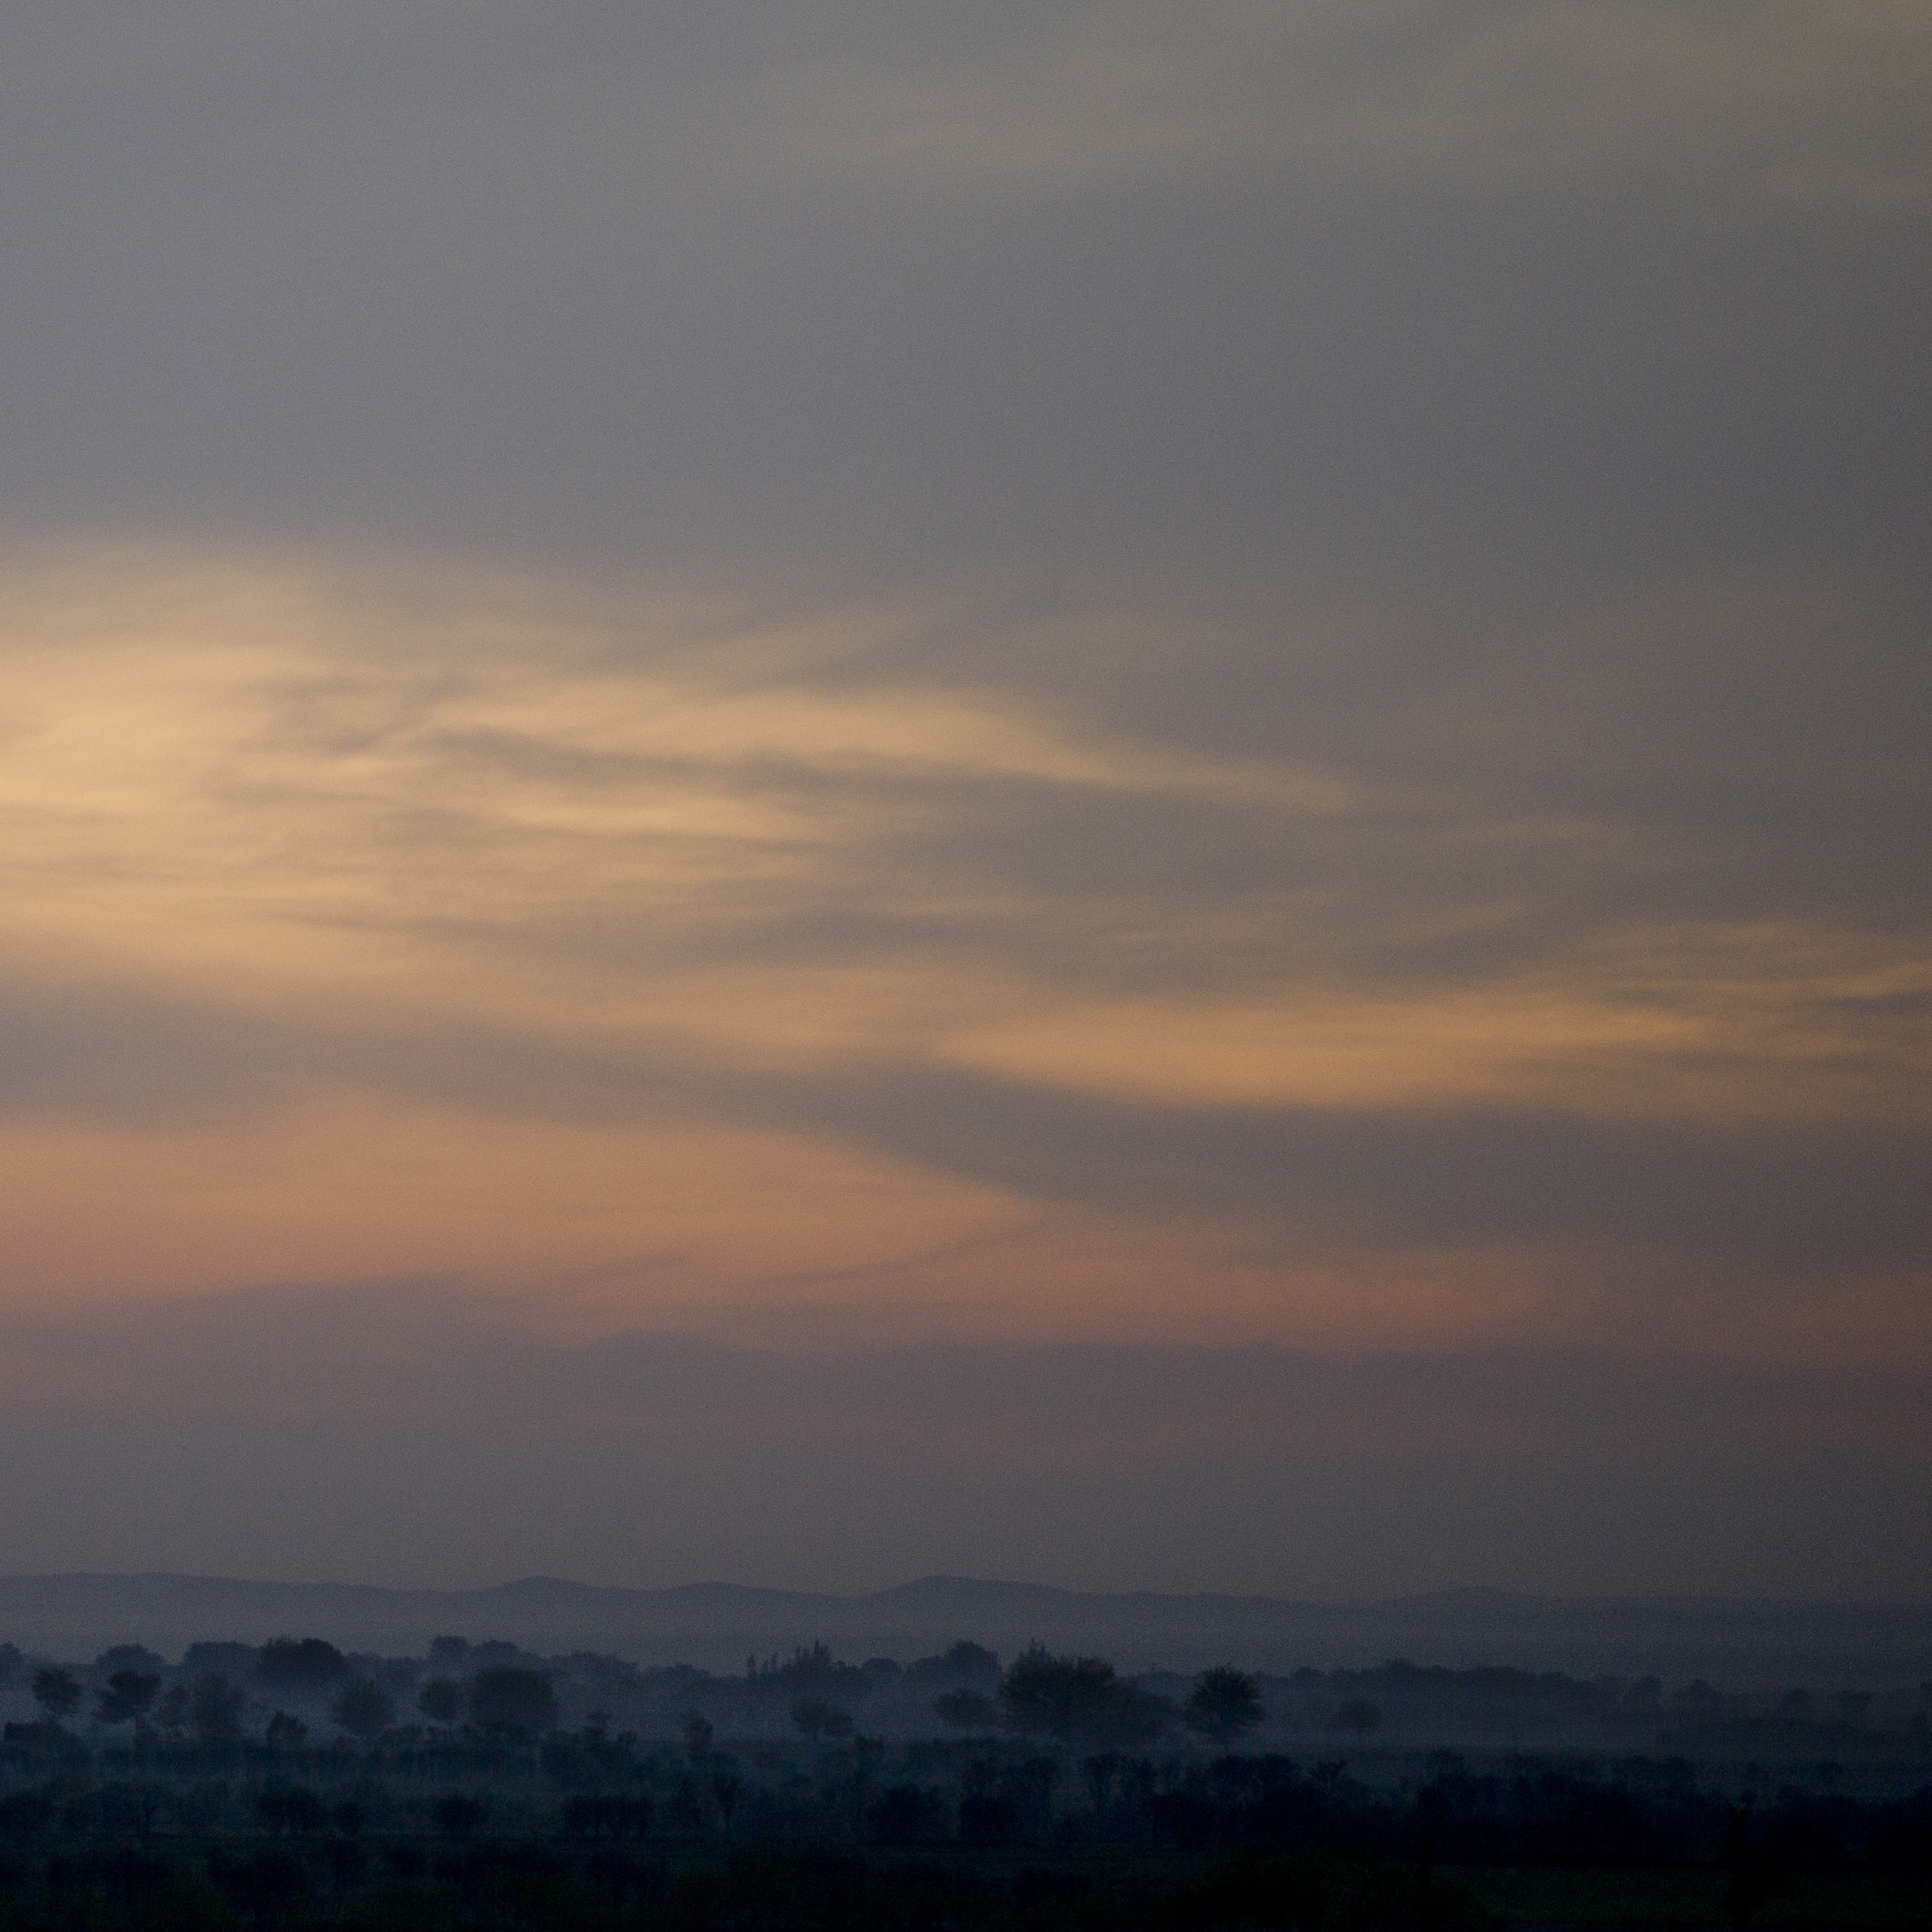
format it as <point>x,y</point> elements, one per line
<point>294,1781</point>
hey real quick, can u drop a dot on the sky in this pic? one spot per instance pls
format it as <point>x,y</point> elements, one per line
<point>1135,795</point>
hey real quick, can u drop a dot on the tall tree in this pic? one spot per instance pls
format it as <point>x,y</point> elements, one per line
<point>127,1697</point>
<point>514,1700</point>
<point>1224,1706</point>
<point>363,1708</point>
<point>1080,1699</point>
<point>57,1691</point>
<point>214,1712</point>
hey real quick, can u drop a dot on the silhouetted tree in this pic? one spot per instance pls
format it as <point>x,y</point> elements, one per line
<point>287,1663</point>
<point>1224,1706</point>
<point>965,1663</point>
<point>508,1697</point>
<point>126,1697</point>
<point>291,1808</point>
<point>285,1733</point>
<point>1057,1694</point>
<point>697,1734</point>
<point>57,1691</point>
<point>171,1715</point>
<point>363,1708</point>
<point>815,1671</point>
<point>907,1814</point>
<point>214,1712</point>
<point>1360,1716</point>
<point>971,1659</point>
<point>442,1700</point>
<point>727,1789</point>
<point>127,1657</point>
<point>966,1710</point>
<point>818,1720</point>
<point>1079,1698</point>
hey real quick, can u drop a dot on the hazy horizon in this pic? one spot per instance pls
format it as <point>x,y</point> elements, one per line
<point>1469,1594</point>
<point>1737,1643</point>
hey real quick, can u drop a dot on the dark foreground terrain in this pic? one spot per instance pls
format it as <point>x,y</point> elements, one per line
<point>855,1839</point>
<point>290,1785</point>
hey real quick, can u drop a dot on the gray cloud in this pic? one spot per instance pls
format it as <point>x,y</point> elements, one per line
<point>123,1055</point>
<point>1762,1203</point>
<point>506,271</point>
<point>228,1440</point>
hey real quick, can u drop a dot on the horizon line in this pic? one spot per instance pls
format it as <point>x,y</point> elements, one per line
<point>1465,1594</point>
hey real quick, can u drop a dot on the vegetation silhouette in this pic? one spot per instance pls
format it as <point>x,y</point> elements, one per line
<point>57,1693</point>
<point>127,1697</point>
<point>287,1663</point>
<point>296,1788</point>
<point>1224,1706</point>
<point>1079,1700</point>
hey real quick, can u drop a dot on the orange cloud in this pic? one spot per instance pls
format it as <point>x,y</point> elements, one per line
<point>414,798</point>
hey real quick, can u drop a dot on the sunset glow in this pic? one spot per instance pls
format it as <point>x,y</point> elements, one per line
<point>1096,685</point>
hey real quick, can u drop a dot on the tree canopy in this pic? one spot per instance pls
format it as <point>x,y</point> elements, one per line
<point>57,1691</point>
<point>819,1719</point>
<point>1080,1699</point>
<point>128,1696</point>
<point>508,1697</point>
<point>1224,1705</point>
<point>363,1708</point>
<point>300,1663</point>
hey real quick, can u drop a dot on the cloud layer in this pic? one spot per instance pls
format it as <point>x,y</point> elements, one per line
<point>615,888</point>
<point>250,1437</point>
<point>1072,676</point>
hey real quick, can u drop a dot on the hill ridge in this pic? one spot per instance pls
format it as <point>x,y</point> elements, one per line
<point>74,1614</point>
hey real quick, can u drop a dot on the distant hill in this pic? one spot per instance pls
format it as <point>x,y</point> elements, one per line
<point>1738,1642</point>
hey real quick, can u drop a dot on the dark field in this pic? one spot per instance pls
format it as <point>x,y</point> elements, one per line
<point>544,1875</point>
<point>292,1786</point>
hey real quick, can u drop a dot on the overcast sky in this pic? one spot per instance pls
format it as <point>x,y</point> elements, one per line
<point>894,785</point>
